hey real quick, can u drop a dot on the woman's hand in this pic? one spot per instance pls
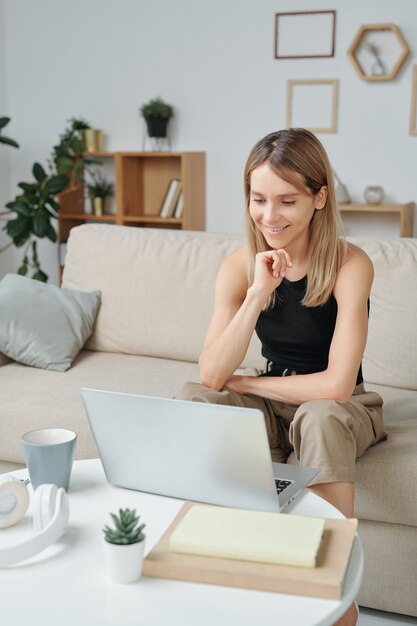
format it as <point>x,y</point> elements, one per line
<point>270,267</point>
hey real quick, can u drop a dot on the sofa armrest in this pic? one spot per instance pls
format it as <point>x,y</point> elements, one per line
<point>4,360</point>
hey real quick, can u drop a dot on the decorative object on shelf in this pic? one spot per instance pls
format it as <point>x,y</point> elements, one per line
<point>93,140</point>
<point>98,191</point>
<point>124,547</point>
<point>379,70</point>
<point>374,194</point>
<point>157,114</point>
<point>342,194</point>
<point>305,34</point>
<point>413,112</point>
<point>6,140</point>
<point>308,110</point>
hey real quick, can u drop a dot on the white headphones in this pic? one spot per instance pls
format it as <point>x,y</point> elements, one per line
<point>50,517</point>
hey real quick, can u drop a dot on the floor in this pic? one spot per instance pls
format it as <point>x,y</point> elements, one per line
<point>369,617</point>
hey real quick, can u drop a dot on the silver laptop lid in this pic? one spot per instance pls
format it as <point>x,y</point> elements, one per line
<point>189,450</point>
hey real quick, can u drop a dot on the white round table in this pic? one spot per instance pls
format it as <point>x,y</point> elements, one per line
<point>67,584</point>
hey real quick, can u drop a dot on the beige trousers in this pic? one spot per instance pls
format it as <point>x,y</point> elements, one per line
<point>326,434</point>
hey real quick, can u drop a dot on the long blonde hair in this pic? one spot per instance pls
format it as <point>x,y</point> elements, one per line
<point>293,153</point>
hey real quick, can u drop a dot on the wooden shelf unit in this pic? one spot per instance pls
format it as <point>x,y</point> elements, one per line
<point>141,182</point>
<point>405,211</point>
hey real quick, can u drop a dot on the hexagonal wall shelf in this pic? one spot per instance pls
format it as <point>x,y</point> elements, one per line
<point>398,49</point>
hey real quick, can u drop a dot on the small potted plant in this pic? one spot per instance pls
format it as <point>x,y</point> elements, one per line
<point>98,191</point>
<point>124,547</point>
<point>157,114</point>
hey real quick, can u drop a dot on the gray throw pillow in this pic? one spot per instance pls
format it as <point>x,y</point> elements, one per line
<point>42,325</point>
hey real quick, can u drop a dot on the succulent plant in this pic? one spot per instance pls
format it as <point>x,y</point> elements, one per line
<point>127,530</point>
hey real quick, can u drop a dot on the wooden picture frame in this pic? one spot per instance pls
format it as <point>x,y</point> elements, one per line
<point>305,35</point>
<point>413,112</point>
<point>369,37</point>
<point>331,127</point>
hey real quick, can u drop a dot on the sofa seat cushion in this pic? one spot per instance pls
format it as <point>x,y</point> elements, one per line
<point>386,475</point>
<point>53,399</point>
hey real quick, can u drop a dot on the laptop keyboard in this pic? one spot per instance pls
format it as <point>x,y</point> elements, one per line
<point>282,484</point>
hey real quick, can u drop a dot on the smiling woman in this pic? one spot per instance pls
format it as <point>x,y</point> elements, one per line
<point>305,292</point>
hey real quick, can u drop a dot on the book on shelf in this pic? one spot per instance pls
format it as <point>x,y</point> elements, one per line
<point>179,205</point>
<point>171,198</point>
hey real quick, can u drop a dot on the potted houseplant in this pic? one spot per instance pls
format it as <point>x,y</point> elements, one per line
<point>35,207</point>
<point>124,547</point>
<point>68,155</point>
<point>40,200</point>
<point>98,191</point>
<point>157,114</point>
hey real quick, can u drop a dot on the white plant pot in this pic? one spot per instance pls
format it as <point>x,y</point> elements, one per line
<point>124,562</point>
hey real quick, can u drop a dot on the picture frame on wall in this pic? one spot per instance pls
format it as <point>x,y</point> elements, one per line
<point>312,104</point>
<point>305,35</point>
<point>413,112</point>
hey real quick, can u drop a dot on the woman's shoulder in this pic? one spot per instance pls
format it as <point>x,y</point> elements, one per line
<point>356,272</point>
<point>232,272</point>
<point>356,258</point>
<point>236,260</point>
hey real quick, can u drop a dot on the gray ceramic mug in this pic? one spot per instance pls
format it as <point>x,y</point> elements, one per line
<point>49,453</point>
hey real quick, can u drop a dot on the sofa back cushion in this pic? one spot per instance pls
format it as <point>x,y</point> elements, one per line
<point>157,288</point>
<point>390,355</point>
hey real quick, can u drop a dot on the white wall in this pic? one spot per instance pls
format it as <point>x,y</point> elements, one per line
<point>6,258</point>
<point>214,61</point>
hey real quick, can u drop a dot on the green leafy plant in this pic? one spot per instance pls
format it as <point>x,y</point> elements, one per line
<point>10,142</point>
<point>126,529</point>
<point>100,187</point>
<point>157,108</point>
<point>35,207</point>
<point>68,156</point>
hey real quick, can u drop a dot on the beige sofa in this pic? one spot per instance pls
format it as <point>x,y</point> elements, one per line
<point>157,296</point>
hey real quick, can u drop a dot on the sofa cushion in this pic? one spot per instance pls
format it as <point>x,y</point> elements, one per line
<point>163,305</point>
<point>52,399</point>
<point>392,339</point>
<point>42,325</point>
<point>386,475</point>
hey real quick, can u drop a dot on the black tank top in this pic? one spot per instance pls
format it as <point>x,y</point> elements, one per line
<point>297,337</point>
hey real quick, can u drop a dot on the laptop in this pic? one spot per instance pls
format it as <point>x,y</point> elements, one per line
<point>190,450</point>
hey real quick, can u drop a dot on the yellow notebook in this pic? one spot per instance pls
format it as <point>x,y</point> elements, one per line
<point>249,535</point>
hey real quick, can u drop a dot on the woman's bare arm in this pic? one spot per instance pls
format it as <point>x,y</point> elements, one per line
<point>236,310</point>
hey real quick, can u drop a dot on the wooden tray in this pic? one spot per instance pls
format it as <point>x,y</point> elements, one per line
<point>324,581</point>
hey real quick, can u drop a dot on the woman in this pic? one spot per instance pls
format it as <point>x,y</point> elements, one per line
<point>305,291</point>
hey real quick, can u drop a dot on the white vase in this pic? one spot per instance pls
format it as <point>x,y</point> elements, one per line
<point>124,562</point>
